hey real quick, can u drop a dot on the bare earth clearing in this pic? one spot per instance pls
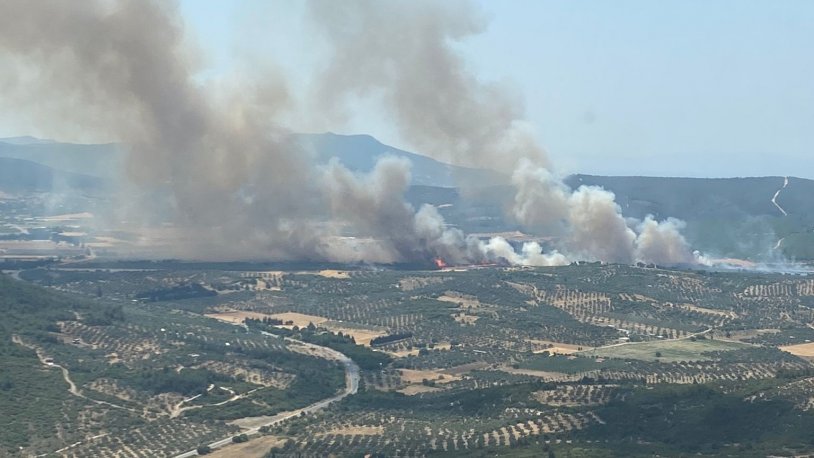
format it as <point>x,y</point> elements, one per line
<point>256,448</point>
<point>805,350</point>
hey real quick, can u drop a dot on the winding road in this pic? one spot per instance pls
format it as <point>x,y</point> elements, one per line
<point>777,194</point>
<point>254,424</point>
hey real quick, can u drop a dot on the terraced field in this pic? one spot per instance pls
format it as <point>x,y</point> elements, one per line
<point>452,361</point>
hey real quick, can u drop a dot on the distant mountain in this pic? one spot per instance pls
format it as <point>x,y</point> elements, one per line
<point>24,140</point>
<point>725,216</point>
<point>357,152</point>
<point>360,152</point>
<point>733,216</point>
<point>97,160</point>
<point>693,198</point>
<point>21,176</point>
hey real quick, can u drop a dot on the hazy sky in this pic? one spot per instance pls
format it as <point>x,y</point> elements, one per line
<point>694,88</point>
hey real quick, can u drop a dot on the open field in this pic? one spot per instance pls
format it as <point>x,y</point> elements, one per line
<point>805,350</point>
<point>555,347</point>
<point>237,317</point>
<point>361,334</point>
<point>667,351</point>
<point>257,447</point>
<point>299,319</point>
<point>439,377</point>
<point>334,274</point>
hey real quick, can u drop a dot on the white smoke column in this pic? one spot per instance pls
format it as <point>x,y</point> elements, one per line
<point>373,204</point>
<point>498,249</point>
<point>533,255</point>
<point>662,243</point>
<point>598,231</point>
<point>541,200</point>
<point>404,53</point>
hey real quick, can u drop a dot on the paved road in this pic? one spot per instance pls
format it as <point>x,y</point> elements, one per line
<point>351,387</point>
<point>777,194</point>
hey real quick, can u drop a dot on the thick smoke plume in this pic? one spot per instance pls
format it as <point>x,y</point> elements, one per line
<point>238,186</point>
<point>374,205</point>
<point>405,52</point>
<point>128,73</point>
<point>591,223</point>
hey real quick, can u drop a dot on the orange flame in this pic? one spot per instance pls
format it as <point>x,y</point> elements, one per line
<point>440,263</point>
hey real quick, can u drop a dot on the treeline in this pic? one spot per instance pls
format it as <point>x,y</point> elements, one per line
<point>186,381</point>
<point>33,310</point>
<point>700,419</point>
<point>382,340</point>
<point>267,320</point>
<point>176,293</point>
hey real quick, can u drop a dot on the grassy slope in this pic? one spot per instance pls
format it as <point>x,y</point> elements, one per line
<point>33,399</point>
<point>671,350</point>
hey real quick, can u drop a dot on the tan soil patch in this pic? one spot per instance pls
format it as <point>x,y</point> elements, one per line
<point>262,285</point>
<point>558,347</point>
<point>237,317</point>
<point>417,389</point>
<point>403,353</point>
<point>355,431</point>
<point>299,319</point>
<point>547,375</point>
<point>463,318</point>
<point>806,349</point>
<point>334,274</point>
<point>416,376</point>
<point>257,447</point>
<point>361,335</point>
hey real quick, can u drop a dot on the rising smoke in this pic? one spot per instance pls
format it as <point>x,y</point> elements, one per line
<point>405,52</point>
<point>239,187</point>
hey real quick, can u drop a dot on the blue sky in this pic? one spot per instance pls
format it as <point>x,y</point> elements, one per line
<point>706,88</point>
<point>668,87</point>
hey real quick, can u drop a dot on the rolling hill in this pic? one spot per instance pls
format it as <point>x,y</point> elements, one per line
<point>23,176</point>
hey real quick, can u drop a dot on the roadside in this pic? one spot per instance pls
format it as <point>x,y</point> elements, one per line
<point>251,425</point>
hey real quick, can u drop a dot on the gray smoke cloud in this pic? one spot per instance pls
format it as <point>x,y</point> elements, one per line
<point>405,53</point>
<point>126,70</point>
<point>662,242</point>
<point>374,205</point>
<point>590,223</point>
<point>238,187</point>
